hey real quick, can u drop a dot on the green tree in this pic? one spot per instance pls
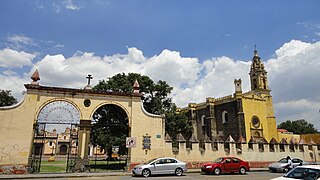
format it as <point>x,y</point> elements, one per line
<point>110,128</point>
<point>6,99</point>
<point>298,127</point>
<point>177,123</point>
<point>155,98</point>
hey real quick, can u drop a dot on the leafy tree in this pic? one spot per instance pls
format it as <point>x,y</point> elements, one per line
<point>298,127</point>
<point>177,123</point>
<point>6,99</point>
<point>110,128</point>
<point>155,98</point>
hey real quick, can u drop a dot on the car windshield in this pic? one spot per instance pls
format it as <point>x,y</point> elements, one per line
<point>303,173</point>
<point>283,160</point>
<point>218,160</point>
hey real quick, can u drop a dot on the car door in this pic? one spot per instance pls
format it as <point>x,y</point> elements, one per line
<point>235,164</point>
<point>227,165</point>
<point>296,162</point>
<point>170,165</point>
<point>159,167</point>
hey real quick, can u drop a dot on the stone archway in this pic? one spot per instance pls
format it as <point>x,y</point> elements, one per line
<point>24,117</point>
<point>53,116</point>
<point>109,130</point>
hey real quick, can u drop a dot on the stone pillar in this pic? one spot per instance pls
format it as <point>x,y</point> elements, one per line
<point>82,161</point>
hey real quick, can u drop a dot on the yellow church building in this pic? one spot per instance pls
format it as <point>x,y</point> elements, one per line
<point>243,115</point>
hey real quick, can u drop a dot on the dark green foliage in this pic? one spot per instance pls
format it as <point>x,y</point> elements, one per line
<point>177,123</point>
<point>110,128</point>
<point>298,127</point>
<point>6,99</point>
<point>155,99</point>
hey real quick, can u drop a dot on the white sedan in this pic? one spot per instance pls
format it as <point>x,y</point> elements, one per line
<point>165,165</point>
<point>308,172</point>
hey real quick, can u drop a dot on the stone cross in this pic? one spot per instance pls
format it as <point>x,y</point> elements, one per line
<point>89,78</point>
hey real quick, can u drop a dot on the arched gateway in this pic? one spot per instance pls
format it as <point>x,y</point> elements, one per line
<point>22,125</point>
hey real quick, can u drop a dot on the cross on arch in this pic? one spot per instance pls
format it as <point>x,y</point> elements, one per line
<point>89,77</point>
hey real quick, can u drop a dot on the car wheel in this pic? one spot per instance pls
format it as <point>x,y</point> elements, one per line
<point>146,173</point>
<point>178,172</point>
<point>217,171</point>
<point>242,170</point>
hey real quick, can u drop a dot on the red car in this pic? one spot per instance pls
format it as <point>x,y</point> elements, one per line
<point>225,165</point>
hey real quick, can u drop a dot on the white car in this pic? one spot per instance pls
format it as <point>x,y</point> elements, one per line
<point>282,165</point>
<point>165,165</point>
<point>308,172</point>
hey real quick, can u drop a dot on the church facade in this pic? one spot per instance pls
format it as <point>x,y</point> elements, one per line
<point>243,115</point>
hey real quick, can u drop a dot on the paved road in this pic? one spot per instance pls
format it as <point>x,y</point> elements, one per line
<point>189,176</point>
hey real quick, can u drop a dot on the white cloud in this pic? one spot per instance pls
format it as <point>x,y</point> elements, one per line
<point>20,41</point>
<point>69,4</point>
<point>293,75</point>
<point>11,58</point>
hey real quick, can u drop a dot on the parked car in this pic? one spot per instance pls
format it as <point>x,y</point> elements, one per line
<point>225,165</point>
<point>307,172</point>
<point>282,165</point>
<point>165,165</point>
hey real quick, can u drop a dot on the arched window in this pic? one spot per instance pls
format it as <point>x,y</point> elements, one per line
<point>224,117</point>
<point>256,134</point>
<point>203,120</point>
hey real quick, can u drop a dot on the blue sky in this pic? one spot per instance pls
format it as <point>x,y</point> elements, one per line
<point>198,47</point>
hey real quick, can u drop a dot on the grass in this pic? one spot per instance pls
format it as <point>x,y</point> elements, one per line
<point>59,166</point>
<point>53,167</point>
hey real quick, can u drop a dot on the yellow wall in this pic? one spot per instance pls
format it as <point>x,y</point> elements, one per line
<point>314,137</point>
<point>288,136</point>
<point>261,107</point>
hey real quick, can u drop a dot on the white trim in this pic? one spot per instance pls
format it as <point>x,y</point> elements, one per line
<point>15,105</point>
<point>149,114</point>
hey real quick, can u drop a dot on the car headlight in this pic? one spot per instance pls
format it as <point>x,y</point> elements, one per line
<point>208,167</point>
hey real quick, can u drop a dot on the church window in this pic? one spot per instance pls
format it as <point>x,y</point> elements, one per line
<point>203,120</point>
<point>282,148</point>
<point>250,145</point>
<point>318,147</point>
<point>264,83</point>
<point>50,143</point>
<point>256,134</point>
<point>261,147</point>
<point>255,122</point>
<point>224,117</point>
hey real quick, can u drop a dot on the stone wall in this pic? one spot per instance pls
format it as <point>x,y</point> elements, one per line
<point>258,155</point>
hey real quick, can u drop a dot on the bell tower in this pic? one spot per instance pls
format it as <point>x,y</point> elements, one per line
<point>258,75</point>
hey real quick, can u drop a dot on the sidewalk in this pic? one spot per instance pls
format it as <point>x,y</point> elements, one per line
<point>91,174</point>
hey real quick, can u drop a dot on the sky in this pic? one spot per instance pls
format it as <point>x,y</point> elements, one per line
<point>197,47</point>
